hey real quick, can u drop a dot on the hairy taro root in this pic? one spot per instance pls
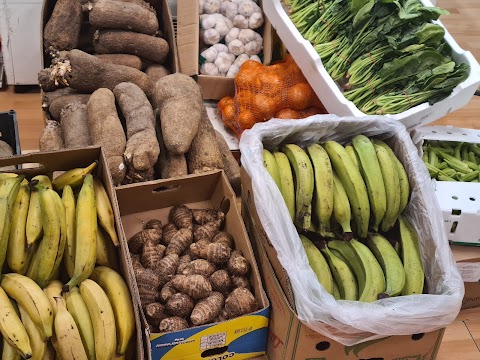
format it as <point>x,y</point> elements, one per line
<point>181,216</point>
<point>237,264</point>
<point>216,253</point>
<point>137,241</point>
<point>180,241</point>
<point>167,291</point>
<point>195,286</point>
<point>221,281</point>
<point>224,238</point>
<point>180,305</point>
<point>199,267</point>
<point>167,267</point>
<point>203,216</point>
<point>154,312</point>
<point>240,302</point>
<point>154,224</point>
<point>207,231</point>
<point>169,230</point>
<point>136,261</point>
<point>240,282</point>
<point>152,254</point>
<point>147,283</point>
<point>206,310</point>
<point>183,262</point>
<point>174,323</point>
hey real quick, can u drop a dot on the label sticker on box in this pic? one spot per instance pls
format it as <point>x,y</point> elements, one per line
<point>470,272</point>
<point>212,341</point>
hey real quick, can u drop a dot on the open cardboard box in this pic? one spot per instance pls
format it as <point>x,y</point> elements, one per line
<point>468,263</point>
<point>50,163</point>
<point>165,21</point>
<point>239,338</point>
<point>188,37</point>
<point>289,338</point>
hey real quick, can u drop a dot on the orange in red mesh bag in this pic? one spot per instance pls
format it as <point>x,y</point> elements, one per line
<point>263,92</point>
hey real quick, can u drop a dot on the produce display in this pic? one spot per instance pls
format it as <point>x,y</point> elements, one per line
<point>347,204</point>
<point>61,293</point>
<point>387,55</point>
<point>264,92</point>
<point>188,271</point>
<point>452,161</point>
<point>227,35</point>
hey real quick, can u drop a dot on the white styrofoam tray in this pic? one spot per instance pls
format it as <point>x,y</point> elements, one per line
<point>459,201</point>
<point>330,93</point>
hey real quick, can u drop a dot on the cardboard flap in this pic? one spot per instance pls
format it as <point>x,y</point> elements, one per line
<point>187,36</point>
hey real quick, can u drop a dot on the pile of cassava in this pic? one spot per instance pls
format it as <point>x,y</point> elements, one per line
<point>188,272</point>
<point>151,124</point>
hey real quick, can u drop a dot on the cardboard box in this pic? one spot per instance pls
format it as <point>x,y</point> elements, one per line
<point>188,36</point>
<point>468,263</point>
<point>49,163</point>
<point>289,338</point>
<point>240,338</point>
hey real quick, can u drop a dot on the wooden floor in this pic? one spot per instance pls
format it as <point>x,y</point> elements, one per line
<point>462,337</point>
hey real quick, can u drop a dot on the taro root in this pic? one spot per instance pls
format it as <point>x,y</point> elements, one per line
<point>199,267</point>
<point>195,286</point>
<point>240,282</point>
<point>167,291</point>
<point>179,305</point>
<point>137,241</point>
<point>207,231</point>
<point>167,267</point>
<point>169,230</point>
<point>180,241</point>
<point>240,302</point>
<point>154,224</point>
<point>174,323</point>
<point>237,264</point>
<point>206,310</point>
<point>181,216</point>
<point>183,262</point>
<point>216,253</point>
<point>203,216</point>
<point>221,281</point>
<point>152,254</point>
<point>154,312</point>
<point>224,238</point>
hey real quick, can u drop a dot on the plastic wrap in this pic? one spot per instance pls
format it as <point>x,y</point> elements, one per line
<point>353,322</point>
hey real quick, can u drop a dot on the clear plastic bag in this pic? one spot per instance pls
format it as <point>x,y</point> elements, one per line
<point>353,322</point>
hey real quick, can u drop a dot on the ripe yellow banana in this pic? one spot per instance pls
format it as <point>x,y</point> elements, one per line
<point>17,254</point>
<point>73,177</point>
<point>344,277</point>
<point>392,187</point>
<point>374,277</point>
<point>343,248</point>
<point>77,308</point>
<point>318,264</point>
<point>103,319</point>
<point>9,352</point>
<point>372,175</point>
<point>104,210</point>
<point>43,265</point>
<point>390,262</point>
<point>304,184</point>
<point>68,200</point>
<point>286,180</point>
<point>38,344</point>
<point>271,165</point>
<point>12,329</point>
<point>31,297</point>
<point>323,190</point>
<point>86,234</point>
<point>412,259</point>
<point>353,184</point>
<point>34,218</point>
<point>341,206</point>
<point>119,295</point>
<point>9,188</point>
<point>353,156</point>
<point>68,336</point>
<point>402,175</point>
<point>7,175</point>
<point>106,253</point>
<point>51,290</point>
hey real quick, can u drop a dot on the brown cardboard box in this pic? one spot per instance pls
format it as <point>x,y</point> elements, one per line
<point>289,338</point>
<point>238,338</point>
<point>468,263</point>
<point>51,162</point>
<point>188,35</point>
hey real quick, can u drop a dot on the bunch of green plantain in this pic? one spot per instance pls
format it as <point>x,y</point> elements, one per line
<point>452,161</point>
<point>357,191</point>
<point>53,231</point>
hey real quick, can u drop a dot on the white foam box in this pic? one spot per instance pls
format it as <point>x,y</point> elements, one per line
<point>330,93</point>
<point>459,201</point>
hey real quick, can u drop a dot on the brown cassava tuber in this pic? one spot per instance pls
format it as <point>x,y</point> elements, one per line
<point>207,309</point>
<point>195,286</point>
<point>179,304</point>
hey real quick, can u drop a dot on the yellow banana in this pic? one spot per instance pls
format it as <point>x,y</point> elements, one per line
<point>390,262</point>
<point>353,156</point>
<point>353,184</point>
<point>12,329</point>
<point>341,206</point>
<point>318,264</point>
<point>34,218</point>
<point>286,180</point>
<point>68,200</point>
<point>392,187</point>
<point>73,177</point>
<point>304,184</point>
<point>106,253</point>
<point>7,175</point>
<point>412,260</point>
<point>271,165</point>
<point>63,236</point>
<point>119,295</point>
<point>347,252</point>
<point>68,336</point>
<point>17,254</point>
<point>9,352</point>
<point>77,308</point>
<point>104,210</point>
<point>402,175</point>
<point>38,344</point>
<point>374,277</point>
<point>9,188</point>
<point>344,277</point>
<point>86,234</point>
<point>372,175</point>
<point>103,319</point>
<point>31,297</point>
<point>53,289</point>
<point>323,190</point>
